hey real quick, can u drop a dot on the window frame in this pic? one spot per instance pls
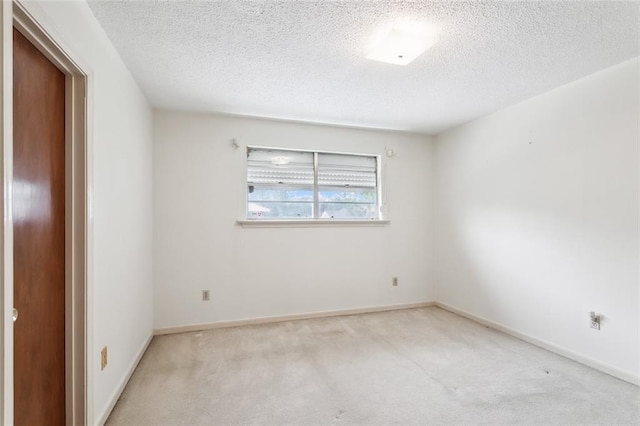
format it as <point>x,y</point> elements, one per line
<point>247,220</point>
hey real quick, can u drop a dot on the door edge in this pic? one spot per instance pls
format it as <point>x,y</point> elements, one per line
<point>78,223</point>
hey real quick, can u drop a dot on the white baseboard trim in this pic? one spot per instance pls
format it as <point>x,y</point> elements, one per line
<point>292,317</point>
<point>123,383</point>
<point>567,353</point>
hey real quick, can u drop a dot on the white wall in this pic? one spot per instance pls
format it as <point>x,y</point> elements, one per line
<point>532,236</point>
<point>120,288</point>
<point>199,193</point>
<point>537,217</point>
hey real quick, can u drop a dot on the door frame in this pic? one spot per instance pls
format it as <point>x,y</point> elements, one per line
<point>78,223</point>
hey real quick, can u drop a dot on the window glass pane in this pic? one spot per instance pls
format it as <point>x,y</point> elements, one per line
<point>275,193</point>
<point>280,210</point>
<point>281,184</point>
<point>347,211</point>
<point>344,195</point>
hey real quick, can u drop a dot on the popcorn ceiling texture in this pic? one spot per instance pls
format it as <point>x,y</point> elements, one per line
<point>305,60</point>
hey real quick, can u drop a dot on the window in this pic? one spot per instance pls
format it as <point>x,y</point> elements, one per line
<point>286,184</point>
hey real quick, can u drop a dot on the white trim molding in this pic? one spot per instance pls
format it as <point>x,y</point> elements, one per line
<point>6,231</point>
<point>102,419</point>
<point>310,223</point>
<point>567,353</point>
<point>292,317</point>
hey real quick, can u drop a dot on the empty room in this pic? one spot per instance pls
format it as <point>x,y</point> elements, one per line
<point>296,212</point>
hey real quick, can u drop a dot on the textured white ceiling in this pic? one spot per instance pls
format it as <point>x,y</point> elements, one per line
<point>305,60</point>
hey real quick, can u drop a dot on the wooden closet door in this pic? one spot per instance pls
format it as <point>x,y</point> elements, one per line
<point>39,236</point>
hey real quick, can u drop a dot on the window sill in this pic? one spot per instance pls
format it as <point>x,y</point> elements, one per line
<point>309,223</point>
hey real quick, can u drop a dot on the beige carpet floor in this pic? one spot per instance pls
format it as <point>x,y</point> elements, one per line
<point>415,366</point>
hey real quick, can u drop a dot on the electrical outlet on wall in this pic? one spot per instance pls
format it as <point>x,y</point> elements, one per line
<point>103,358</point>
<point>394,281</point>
<point>595,320</point>
<point>205,295</point>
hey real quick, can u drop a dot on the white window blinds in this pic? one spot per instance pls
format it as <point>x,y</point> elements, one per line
<point>279,167</point>
<point>306,184</point>
<point>344,170</point>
